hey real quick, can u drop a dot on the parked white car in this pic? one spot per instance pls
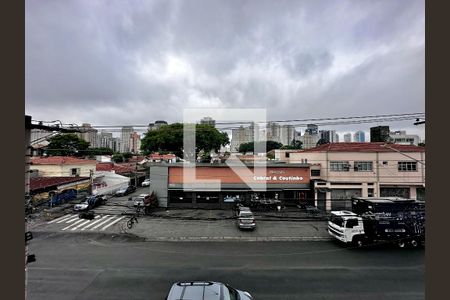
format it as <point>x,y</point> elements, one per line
<point>146,182</point>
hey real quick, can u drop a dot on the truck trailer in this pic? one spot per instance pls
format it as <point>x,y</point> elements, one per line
<point>376,220</point>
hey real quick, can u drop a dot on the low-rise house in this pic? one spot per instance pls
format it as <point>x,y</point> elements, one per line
<point>168,158</point>
<point>63,166</point>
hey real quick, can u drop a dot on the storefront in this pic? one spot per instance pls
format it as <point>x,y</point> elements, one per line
<point>220,186</point>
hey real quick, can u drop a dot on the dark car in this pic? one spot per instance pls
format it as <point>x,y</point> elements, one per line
<point>90,202</point>
<point>125,191</point>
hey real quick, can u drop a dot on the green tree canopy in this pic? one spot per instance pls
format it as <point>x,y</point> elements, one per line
<point>250,146</point>
<point>66,145</point>
<point>293,146</point>
<point>169,138</point>
<point>117,158</point>
<point>322,142</point>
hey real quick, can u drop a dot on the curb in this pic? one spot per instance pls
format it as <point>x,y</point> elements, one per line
<point>240,239</point>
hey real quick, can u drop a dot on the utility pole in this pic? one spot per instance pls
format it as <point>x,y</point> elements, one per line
<point>28,152</point>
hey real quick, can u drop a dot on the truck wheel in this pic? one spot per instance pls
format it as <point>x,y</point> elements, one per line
<point>414,243</point>
<point>401,244</point>
<point>358,242</point>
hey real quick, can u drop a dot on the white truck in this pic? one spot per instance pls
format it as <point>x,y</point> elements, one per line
<point>375,220</point>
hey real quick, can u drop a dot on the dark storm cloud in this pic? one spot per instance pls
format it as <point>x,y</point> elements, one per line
<point>124,62</point>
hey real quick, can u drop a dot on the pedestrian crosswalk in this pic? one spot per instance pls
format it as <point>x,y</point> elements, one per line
<point>71,222</point>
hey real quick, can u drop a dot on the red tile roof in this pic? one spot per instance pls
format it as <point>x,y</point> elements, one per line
<point>37,183</point>
<point>61,160</point>
<point>117,168</point>
<point>162,156</point>
<point>365,147</point>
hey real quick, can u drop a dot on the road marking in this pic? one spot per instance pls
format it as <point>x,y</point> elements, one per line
<point>113,223</point>
<point>100,224</point>
<point>79,221</point>
<point>101,218</point>
<point>84,223</point>
<point>60,218</point>
<point>72,217</point>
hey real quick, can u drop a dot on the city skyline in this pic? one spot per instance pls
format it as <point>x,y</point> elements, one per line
<point>152,59</point>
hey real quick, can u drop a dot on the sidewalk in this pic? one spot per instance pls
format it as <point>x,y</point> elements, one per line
<point>287,214</point>
<point>226,230</point>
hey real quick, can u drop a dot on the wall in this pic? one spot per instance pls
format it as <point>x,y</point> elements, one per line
<point>159,183</point>
<point>63,170</point>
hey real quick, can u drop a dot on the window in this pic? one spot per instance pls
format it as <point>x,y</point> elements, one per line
<point>339,166</point>
<point>385,163</point>
<point>315,172</point>
<point>370,192</point>
<point>75,171</point>
<point>363,166</point>
<point>287,154</point>
<point>407,166</point>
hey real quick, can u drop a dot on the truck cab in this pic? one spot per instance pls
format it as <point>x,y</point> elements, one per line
<point>346,227</point>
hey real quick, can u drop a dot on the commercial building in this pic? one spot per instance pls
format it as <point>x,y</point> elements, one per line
<point>340,171</point>
<point>216,184</point>
<point>400,137</point>
<point>379,134</point>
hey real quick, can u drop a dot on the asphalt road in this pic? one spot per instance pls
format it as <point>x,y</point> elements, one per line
<point>91,266</point>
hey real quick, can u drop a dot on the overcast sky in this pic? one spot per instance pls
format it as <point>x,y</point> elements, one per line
<point>134,62</point>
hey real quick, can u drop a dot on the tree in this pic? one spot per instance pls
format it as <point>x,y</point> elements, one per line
<point>293,146</point>
<point>250,146</point>
<point>322,142</point>
<point>169,138</point>
<point>99,151</point>
<point>127,156</point>
<point>117,158</point>
<point>67,145</point>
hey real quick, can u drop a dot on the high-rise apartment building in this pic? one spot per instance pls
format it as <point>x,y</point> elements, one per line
<point>125,138</point>
<point>359,137</point>
<point>329,136</point>
<point>243,135</point>
<point>105,139</point>
<point>89,134</point>
<point>283,134</point>
<point>135,143</point>
<point>157,125</point>
<point>312,129</point>
<point>347,137</point>
<point>208,121</point>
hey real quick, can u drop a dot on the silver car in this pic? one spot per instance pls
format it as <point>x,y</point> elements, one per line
<point>205,290</point>
<point>245,219</point>
<point>139,200</point>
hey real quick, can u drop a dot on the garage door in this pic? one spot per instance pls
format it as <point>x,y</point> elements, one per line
<point>341,198</point>
<point>394,192</point>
